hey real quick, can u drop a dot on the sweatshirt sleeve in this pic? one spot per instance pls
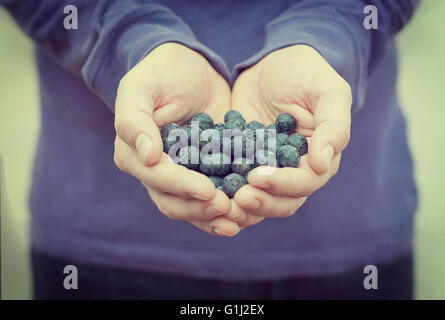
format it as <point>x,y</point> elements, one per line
<point>335,29</point>
<point>111,37</point>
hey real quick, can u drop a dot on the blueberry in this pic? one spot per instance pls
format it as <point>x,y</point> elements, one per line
<point>219,188</point>
<point>233,114</point>
<point>203,119</point>
<point>267,141</point>
<point>203,143</point>
<point>188,130</point>
<point>217,181</point>
<point>242,166</point>
<point>265,158</point>
<point>217,164</point>
<point>282,139</point>
<point>232,183</point>
<point>298,141</point>
<point>242,147</point>
<point>253,125</point>
<point>235,124</point>
<point>226,146</point>
<point>167,144</point>
<point>213,147</point>
<point>287,156</point>
<point>193,134</point>
<point>234,144</point>
<point>209,136</point>
<point>189,157</point>
<point>219,127</point>
<point>286,123</point>
<point>169,127</point>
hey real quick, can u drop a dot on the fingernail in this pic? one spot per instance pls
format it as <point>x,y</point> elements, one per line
<point>251,204</point>
<point>217,231</point>
<point>328,153</point>
<point>199,196</point>
<point>143,146</point>
<point>213,211</point>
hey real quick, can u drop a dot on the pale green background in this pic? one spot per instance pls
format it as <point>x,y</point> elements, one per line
<point>421,90</point>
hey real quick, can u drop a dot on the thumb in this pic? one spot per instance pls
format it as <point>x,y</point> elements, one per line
<point>332,117</point>
<point>134,122</point>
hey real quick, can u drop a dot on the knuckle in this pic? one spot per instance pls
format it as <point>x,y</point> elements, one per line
<point>123,83</point>
<point>117,123</point>
<point>287,213</point>
<point>345,138</point>
<point>172,216</point>
<point>122,164</point>
<point>122,125</point>
<point>145,180</point>
<point>343,89</point>
<point>121,89</point>
<point>166,212</point>
<point>292,209</point>
<point>210,215</point>
<point>116,159</point>
<point>348,91</point>
<point>310,190</point>
<point>119,161</point>
<point>336,168</point>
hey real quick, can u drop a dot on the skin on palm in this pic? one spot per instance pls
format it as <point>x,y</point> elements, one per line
<point>180,90</point>
<point>295,80</point>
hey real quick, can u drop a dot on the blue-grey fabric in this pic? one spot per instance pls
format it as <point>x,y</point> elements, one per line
<point>85,209</point>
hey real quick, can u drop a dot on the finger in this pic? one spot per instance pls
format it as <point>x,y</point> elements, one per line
<point>134,122</point>
<point>219,226</point>
<point>292,182</point>
<point>260,203</point>
<point>303,116</point>
<point>236,214</point>
<point>332,116</point>
<point>250,219</point>
<point>164,176</point>
<point>172,113</point>
<point>177,208</point>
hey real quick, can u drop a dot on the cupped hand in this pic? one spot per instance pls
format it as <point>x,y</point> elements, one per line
<point>299,81</point>
<point>171,84</point>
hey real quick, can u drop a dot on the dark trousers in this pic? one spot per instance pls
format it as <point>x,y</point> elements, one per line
<point>395,281</point>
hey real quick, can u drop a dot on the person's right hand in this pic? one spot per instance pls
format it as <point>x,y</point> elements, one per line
<point>171,84</point>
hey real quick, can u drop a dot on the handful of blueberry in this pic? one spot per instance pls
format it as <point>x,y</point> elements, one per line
<point>227,152</point>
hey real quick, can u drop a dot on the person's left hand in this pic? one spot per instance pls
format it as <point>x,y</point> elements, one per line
<point>299,81</point>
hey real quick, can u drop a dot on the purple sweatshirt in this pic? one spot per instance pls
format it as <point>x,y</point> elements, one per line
<point>84,209</point>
